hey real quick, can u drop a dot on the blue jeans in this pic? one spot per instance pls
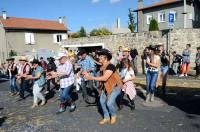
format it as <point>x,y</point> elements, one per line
<point>109,101</point>
<point>151,79</point>
<point>13,85</point>
<point>164,72</point>
<point>65,93</point>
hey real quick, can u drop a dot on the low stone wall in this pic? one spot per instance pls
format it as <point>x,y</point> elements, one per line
<point>175,40</point>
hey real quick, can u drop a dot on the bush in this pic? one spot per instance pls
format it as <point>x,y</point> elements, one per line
<point>12,53</point>
<point>153,26</point>
<point>100,32</point>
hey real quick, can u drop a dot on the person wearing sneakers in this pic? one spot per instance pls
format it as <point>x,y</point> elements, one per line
<point>39,82</point>
<point>110,86</point>
<point>153,62</point>
<point>186,60</point>
<point>65,74</point>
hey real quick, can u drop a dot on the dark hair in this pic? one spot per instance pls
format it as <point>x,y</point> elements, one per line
<point>41,58</point>
<point>35,61</point>
<point>189,45</point>
<point>81,52</point>
<point>126,61</point>
<point>105,52</point>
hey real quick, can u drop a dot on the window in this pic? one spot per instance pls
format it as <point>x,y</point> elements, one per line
<point>58,38</point>
<point>175,14</point>
<point>161,17</point>
<point>149,18</point>
<point>29,38</point>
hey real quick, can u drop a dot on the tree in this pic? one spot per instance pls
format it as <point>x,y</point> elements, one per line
<point>100,32</point>
<point>153,26</point>
<point>75,35</point>
<point>12,53</point>
<point>131,23</point>
<point>82,32</point>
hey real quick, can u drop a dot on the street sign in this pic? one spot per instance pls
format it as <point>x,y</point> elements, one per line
<point>171,20</point>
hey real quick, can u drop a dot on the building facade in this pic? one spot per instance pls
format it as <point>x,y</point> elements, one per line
<point>27,35</point>
<point>185,15</point>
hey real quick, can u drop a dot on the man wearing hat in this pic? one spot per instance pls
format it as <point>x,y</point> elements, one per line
<point>197,61</point>
<point>24,70</point>
<point>126,54</point>
<point>12,71</point>
<point>86,64</point>
<point>65,74</point>
<point>39,82</point>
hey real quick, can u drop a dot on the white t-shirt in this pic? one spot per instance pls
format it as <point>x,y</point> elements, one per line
<point>127,74</point>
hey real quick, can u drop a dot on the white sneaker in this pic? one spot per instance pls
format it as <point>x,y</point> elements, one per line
<point>186,75</point>
<point>182,75</point>
<point>147,98</point>
<point>152,98</point>
<point>46,92</point>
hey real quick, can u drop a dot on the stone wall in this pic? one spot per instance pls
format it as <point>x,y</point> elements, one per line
<point>178,40</point>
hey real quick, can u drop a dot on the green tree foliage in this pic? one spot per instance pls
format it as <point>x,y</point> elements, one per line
<point>12,53</point>
<point>131,23</point>
<point>153,26</point>
<point>82,32</point>
<point>75,35</point>
<point>100,32</point>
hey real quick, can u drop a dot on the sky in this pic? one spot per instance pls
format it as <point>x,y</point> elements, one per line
<point>87,13</point>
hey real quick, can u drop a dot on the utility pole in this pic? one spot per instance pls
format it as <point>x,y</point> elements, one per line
<point>185,14</point>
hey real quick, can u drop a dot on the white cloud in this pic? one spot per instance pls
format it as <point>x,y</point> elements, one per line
<point>114,1</point>
<point>95,1</point>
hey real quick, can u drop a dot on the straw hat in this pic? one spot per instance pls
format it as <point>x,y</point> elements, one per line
<point>23,58</point>
<point>126,50</point>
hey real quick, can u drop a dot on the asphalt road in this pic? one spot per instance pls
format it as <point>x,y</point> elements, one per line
<point>177,113</point>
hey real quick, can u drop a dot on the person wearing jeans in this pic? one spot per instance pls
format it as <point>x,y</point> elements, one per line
<point>109,102</point>
<point>12,70</point>
<point>111,85</point>
<point>65,74</point>
<point>153,62</point>
<point>151,78</point>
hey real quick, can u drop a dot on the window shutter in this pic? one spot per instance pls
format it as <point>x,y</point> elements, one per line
<point>32,38</point>
<point>27,38</point>
<point>64,36</point>
<point>55,38</point>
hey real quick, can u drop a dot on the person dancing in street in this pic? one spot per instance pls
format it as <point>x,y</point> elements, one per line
<point>153,62</point>
<point>127,75</point>
<point>110,86</point>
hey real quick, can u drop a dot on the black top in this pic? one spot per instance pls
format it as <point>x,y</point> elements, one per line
<point>111,67</point>
<point>51,66</point>
<point>164,60</point>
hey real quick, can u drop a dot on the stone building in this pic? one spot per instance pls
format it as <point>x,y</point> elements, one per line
<point>27,35</point>
<point>186,14</point>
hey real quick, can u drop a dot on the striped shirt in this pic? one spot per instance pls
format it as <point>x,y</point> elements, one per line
<point>67,68</point>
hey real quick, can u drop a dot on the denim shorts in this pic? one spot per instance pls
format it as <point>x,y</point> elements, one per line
<point>164,69</point>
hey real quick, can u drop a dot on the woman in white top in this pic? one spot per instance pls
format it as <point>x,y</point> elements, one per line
<point>127,75</point>
<point>153,62</point>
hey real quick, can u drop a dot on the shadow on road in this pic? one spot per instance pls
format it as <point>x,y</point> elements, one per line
<point>185,99</point>
<point>2,120</point>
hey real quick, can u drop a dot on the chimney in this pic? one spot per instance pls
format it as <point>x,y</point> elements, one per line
<point>140,4</point>
<point>60,20</point>
<point>4,15</point>
<point>65,21</point>
<point>118,22</point>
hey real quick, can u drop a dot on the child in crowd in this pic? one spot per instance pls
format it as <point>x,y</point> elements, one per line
<point>127,75</point>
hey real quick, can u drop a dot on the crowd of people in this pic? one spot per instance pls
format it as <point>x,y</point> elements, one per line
<point>110,75</point>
